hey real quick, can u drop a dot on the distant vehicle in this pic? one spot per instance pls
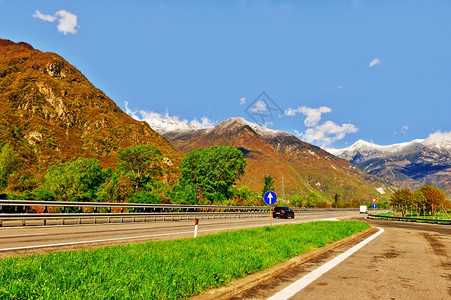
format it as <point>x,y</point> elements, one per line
<point>282,212</point>
<point>363,209</point>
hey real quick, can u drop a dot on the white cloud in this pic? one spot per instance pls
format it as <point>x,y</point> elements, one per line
<point>404,129</point>
<point>313,114</point>
<point>131,113</point>
<point>259,107</point>
<point>322,134</point>
<point>67,21</point>
<point>205,122</point>
<point>375,62</point>
<point>48,18</point>
<point>340,87</point>
<point>327,133</point>
<point>439,138</point>
<point>242,101</point>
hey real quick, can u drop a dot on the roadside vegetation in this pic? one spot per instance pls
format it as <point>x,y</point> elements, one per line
<point>143,175</point>
<point>174,269</point>
<point>428,200</point>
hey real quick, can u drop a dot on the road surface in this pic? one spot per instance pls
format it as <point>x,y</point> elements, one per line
<point>407,261</point>
<point>44,239</point>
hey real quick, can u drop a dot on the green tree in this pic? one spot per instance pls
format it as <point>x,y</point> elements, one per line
<point>141,163</point>
<point>9,163</point>
<point>183,194</point>
<point>268,184</point>
<point>211,172</point>
<point>76,180</point>
<point>336,203</point>
<point>145,197</point>
<point>312,199</point>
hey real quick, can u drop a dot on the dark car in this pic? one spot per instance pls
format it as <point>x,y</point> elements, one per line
<point>282,212</point>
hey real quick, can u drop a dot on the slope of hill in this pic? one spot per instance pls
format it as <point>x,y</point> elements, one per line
<point>50,112</point>
<point>303,167</point>
<point>408,164</point>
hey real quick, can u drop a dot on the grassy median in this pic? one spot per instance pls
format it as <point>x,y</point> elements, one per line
<point>174,269</point>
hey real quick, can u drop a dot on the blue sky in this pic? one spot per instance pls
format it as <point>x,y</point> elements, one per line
<point>332,72</point>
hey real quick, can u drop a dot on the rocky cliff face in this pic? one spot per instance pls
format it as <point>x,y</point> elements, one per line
<point>303,167</point>
<point>50,112</point>
<point>408,164</point>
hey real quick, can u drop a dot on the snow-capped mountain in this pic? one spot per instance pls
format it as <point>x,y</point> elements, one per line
<point>168,124</point>
<point>297,167</point>
<point>406,164</point>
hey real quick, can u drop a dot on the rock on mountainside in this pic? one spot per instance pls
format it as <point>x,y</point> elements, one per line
<point>304,167</point>
<point>407,164</point>
<point>50,112</point>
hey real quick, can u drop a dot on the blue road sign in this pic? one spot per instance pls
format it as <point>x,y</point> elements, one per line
<point>270,198</point>
<point>374,205</point>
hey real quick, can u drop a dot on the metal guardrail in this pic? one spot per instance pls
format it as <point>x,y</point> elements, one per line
<point>23,210</point>
<point>423,220</point>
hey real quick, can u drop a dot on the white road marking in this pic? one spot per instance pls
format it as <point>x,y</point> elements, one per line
<point>297,286</point>
<point>139,237</point>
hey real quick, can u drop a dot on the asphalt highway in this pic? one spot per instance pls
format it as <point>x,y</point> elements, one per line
<point>406,261</point>
<point>43,239</point>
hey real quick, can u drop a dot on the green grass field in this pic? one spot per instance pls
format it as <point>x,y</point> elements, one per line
<point>174,269</point>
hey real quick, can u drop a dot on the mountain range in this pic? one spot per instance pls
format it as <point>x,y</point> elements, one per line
<point>298,168</point>
<point>406,164</point>
<point>51,113</point>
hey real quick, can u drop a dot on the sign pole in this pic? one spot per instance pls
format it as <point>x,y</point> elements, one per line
<point>270,216</point>
<point>270,199</point>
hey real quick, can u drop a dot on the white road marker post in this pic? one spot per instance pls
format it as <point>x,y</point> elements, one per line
<point>196,222</point>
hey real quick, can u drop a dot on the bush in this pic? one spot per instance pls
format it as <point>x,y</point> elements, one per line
<point>183,194</point>
<point>145,197</point>
<point>41,195</point>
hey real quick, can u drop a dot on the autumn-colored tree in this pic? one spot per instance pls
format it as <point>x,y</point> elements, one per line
<point>434,197</point>
<point>355,203</point>
<point>401,199</point>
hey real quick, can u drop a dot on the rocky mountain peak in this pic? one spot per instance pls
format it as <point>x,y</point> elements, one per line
<point>56,114</point>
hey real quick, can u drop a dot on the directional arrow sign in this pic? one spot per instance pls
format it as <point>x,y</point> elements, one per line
<point>270,198</point>
<point>374,205</point>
